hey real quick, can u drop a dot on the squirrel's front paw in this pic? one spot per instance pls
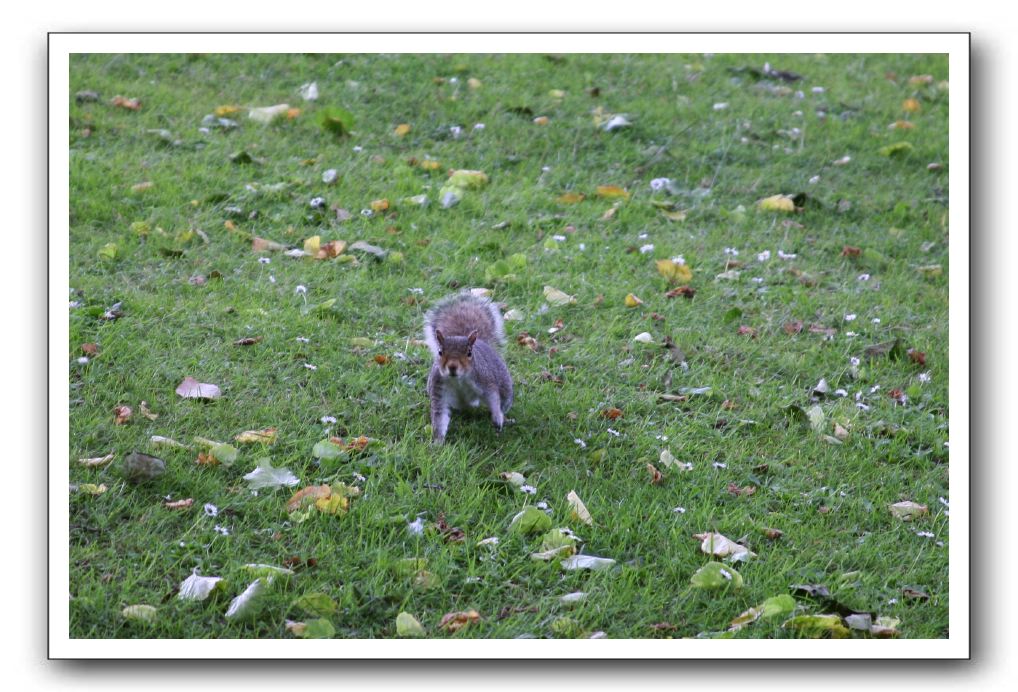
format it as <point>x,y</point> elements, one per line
<point>437,440</point>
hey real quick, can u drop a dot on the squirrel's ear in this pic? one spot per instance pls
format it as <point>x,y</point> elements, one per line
<point>439,337</point>
<point>472,337</point>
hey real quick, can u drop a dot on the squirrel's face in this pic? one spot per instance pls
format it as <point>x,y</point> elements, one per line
<point>455,354</point>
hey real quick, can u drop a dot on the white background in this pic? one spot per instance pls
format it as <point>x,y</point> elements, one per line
<point>993,247</point>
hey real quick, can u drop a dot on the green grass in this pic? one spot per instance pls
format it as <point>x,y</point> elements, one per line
<point>829,500</point>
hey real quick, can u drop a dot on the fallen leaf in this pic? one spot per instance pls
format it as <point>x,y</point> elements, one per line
<point>408,626</point>
<point>90,349</point>
<point>146,412</point>
<point>793,327</point>
<point>121,415</point>
<point>179,504</point>
<point>675,272</point>
<point>655,476</point>
<point>191,388</point>
<point>570,198</point>
<point>773,534</point>
<point>267,476</point>
<point>247,604</point>
<point>141,613</point>
<point>226,111</point>
<point>896,149</point>
<point>673,215</point>
<point>714,575</point>
<point>402,130</point>
<point>611,192</point>
<point>578,509</point>
<point>777,203</point>
<point>530,520</point>
<point>908,510</point>
<point>591,562</point>
<point>247,341</point>
<point>735,490</point>
<point>317,603</point>
<point>264,436</point>
<point>557,297</point>
<point>142,467</point>
<point>818,626</point>
<point>123,102</point>
<point>718,545</point>
<point>306,496</point>
<point>911,106</point>
<point>266,114</point>
<point>91,488</point>
<point>612,413</point>
<point>453,622</point>
<point>97,461</point>
<point>686,292</point>
<point>198,588</point>
<point>632,301</point>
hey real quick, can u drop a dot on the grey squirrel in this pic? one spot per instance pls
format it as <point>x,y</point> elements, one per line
<point>464,332</point>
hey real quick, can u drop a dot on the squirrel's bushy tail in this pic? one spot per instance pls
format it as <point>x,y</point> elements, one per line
<point>462,313</point>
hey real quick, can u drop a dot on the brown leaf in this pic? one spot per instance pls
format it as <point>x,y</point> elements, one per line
<point>793,327</point>
<point>915,594</point>
<point>524,339</point>
<point>97,461</point>
<point>356,444</point>
<point>570,198</point>
<point>263,245</point>
<point>179,504</point>
<point>453,534</point>
<point>452,622</point>
<point>850,251</point>
<point>247,341</point>
<point>381,359</point>
<point>773,534</point>
<point>89,349</point>
<point>728,404</point>
<point>747,331</point>
<point>122,415</point>
<point>917,357</point>
<point>263,436</point>
<point>734,489</point>
<point>655,476</point>
<point>206,459</point>
<point>686,292</point>
<point>124,102</point>
<point>612,413</point>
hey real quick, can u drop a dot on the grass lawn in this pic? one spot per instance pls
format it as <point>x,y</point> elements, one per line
<point>849,288</point>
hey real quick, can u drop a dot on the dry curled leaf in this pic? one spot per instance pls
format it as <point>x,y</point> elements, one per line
<point>793,327</point>
<point>97,461</point>
<point>178,504</point>
<point>612,413</point>
<point>146,412</point>
<point>124,102</point>
<point>122,414</point>
<point>247,341</point>
<point>264,436</point>
<point>655,476</point>
<point>453,622</point>
<point>851,251</point>
<point>686,292</point>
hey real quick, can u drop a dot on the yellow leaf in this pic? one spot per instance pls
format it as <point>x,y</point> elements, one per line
<point>292,113</point>
<point>226,111</point>
<point>379,205</point>
<point>777,203</point>
<point>673,271</point>
<point>541,120</point>
<point>334,504</point>
<point>468,180</point>
<point>402,130</point>
<point>902,125</point>
<point>673,215</point>
<point>910,106</point>
<point>305,495</point>
<point>265,436</point>
<point>474,83</point>
<point>92,488</point>
<point>611,192</point>
<point>570,198</point>
<point>578,509</point>
<point>430,165</point>
<point>312,245</point>
<point>632,301</point>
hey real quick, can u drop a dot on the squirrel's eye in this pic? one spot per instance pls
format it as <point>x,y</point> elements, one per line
<point>469,353</point>
<point>439,351</point>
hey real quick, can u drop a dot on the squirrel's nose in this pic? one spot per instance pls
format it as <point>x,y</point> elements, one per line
<point>452,370</point>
